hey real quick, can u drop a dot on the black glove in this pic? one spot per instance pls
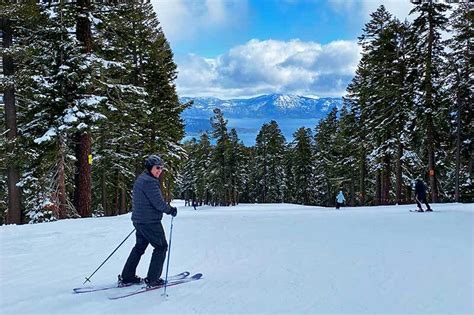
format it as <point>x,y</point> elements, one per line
<point>173,211</point>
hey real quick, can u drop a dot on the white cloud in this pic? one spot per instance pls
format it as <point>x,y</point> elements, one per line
<point>269,66</point>
<point>185,19</point>
<point>398,8</point>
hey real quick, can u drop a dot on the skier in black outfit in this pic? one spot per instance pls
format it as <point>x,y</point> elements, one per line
<point>148,207</point>
<point>420,195</point>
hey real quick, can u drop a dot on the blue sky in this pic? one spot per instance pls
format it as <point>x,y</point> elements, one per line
<point>243,48</point>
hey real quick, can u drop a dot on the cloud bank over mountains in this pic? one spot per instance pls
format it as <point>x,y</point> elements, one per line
<point>261,65</point>
<point>268,66</point>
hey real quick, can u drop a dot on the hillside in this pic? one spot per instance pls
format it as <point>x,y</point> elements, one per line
<point>259,258</point>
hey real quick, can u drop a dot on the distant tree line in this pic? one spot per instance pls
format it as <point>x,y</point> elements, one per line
<point>88,93</point>
<point>407,114</point>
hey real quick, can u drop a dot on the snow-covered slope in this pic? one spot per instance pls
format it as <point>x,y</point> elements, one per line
<point>273,258</point>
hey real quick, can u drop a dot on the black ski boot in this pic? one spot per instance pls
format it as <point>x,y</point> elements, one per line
<point>155,283</point>
<point>128,282</point>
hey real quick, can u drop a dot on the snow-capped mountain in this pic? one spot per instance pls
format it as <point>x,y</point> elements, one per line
<point>273,106</point>
<point>248,115</point>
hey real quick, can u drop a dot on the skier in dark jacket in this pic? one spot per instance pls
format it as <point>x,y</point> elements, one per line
<point>420,195</point>
<point>147,211</point>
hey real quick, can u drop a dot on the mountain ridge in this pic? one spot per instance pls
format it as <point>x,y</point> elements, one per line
<point>271,106</point>
<point>248,115</point>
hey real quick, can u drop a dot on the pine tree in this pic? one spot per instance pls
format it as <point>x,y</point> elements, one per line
<point>357,97</point>
<point>367,99</point>
<point>346,165</point>
<point>203,161</point>
<point>142,99</point>
<point>269,162</point>
<point>117,153</point>
<point>381,99</point>
<point>44,179</point>
<point>427,28</point>
<point>289,194</point>
<point>164,127</point>
<point>237,166</point>
<point>326,157</point>
<point>188,176</point>
<point>249,193</point>
<point>458,73</point>
<point>114,73</point>
<point>302,166</point>
<point>14,213</point>
<point>219,176</point>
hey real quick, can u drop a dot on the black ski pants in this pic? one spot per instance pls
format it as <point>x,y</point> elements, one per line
<point>419,200</point>
<point>147,234</point>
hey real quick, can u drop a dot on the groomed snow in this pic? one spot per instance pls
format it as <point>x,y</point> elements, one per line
<point>255,259</point>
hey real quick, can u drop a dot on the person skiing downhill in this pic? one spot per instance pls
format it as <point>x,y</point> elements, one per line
<point>420,195</point>
<point>148,207</point>
<point>340,199</point>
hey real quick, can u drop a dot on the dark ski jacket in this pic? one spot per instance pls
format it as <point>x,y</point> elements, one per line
<point>148,204</point>
<point>420,190</point>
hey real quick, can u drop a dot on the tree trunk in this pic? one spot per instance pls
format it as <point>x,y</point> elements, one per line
<point>122,201</point>
<point>61,180</point>
<point>83,26</point>
<point>14,214</point>
<point>82,198</point>
<point>386,180</point>
<point>378,187</point>
<point>82,194</point>
<point>352,192</point>
<point>363,173</point>
<point>458,147</point>
<point>429,107</point>
<point>329,194</point>
<point>103,184</point>
<point>398,184</point>
<point>115,210</point>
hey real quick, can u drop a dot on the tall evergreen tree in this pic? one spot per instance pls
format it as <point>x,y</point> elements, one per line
<point>427,27</point>
<point>188,176</point>
<point>381,97</point>
<point>302,166</point>
<point>203,157</point>
<point>346,166</point>
<point>459,73</point>
<point>367,98</point>
<point>326,158</point>
<point>142,99</point>
<point>219,176</point>
<point>269,161</point>
<point>237,167</point>
<point>14,213</point>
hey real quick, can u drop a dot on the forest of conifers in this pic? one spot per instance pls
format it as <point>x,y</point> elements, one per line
<point>89,93</point>
<point>406,116</point>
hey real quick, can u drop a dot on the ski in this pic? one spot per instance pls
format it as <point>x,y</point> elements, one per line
<point>170,284</point>
<point>178,276</point>
<point>421,211</point>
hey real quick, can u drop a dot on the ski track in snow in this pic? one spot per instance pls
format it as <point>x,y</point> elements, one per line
<point>255,258</point>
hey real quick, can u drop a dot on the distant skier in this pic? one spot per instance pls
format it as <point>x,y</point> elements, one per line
<point>420,195</point>
<point>147,211</point>
<point>340,199</point>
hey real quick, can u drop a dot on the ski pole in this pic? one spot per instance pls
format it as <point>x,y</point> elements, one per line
<point>88,278</point>
<point>169,254</point>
